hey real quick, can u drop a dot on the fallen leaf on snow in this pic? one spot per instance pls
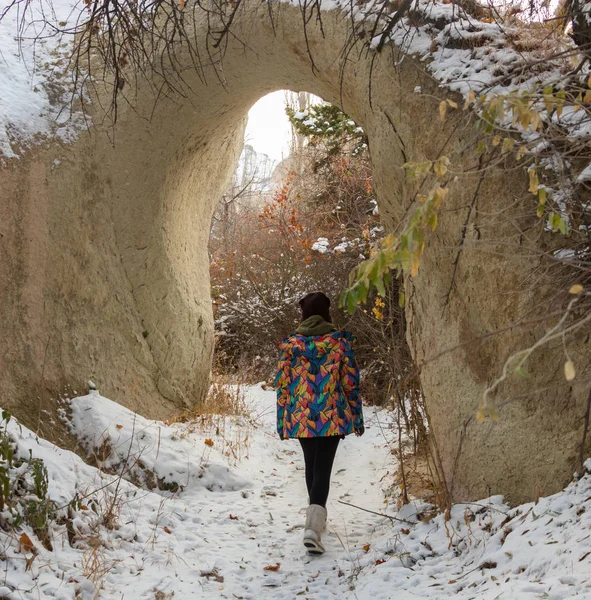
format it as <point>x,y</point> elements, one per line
<point>272,567</point>
<point>208,442</point>
<point>26,543</point>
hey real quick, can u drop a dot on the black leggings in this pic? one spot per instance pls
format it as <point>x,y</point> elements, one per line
<point>319,453</point>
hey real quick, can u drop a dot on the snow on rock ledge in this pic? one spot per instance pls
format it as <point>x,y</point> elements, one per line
<point>35,90</point>
<point>461,51</point>
<point>151,453</point>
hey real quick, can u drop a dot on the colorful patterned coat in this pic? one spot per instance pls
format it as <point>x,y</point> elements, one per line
<point>317,385</point>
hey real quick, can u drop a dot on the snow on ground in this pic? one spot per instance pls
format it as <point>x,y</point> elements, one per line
<point>241,536</point>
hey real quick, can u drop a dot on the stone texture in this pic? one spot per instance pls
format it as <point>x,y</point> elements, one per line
<point>105,264</point>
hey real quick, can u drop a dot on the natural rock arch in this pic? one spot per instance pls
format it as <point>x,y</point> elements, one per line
<point>106,249</point>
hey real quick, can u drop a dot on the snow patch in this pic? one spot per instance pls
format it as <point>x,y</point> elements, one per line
<point>217,544</point>
<point>35,86</point>
<point>119,440</point>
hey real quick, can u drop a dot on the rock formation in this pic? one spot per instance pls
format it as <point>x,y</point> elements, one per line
<point>104,249</point>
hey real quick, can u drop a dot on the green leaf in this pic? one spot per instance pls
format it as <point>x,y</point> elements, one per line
<point>433,221</point>
<point>351,303</point>
<point>362,290</point>
<point>379,283</point>
<point>554,221</point>
<point>343,298</point>
<point>520,372</point>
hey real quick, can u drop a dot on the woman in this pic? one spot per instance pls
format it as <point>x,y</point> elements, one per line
<point>318,401</point>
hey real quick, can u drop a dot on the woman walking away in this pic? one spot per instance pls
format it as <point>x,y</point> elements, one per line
<point>318,401</point>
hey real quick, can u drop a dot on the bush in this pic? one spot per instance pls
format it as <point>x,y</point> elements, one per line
<point>23,487</point>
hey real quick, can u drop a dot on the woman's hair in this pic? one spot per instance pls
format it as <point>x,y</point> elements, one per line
<point>315,303</point>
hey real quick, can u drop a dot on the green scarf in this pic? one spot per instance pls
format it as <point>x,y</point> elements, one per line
<point>315,325</point>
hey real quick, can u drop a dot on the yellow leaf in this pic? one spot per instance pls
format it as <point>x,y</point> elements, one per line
<point>549,101</point>
<point>452,103</point>
<point>569,370</point>
<point>508,144</point>
<point>559,110</point>
<point>481,415</point>
<point>576,289</point>
<point>442,110</point>
<point>499,106</point>
<point>438,195</point>
<point>521,152</point>
<point>367,547</point>
<point>469,99</point>
<point>440,166</point>
<point>208,442</point>
<point>496,140</point>
<point>525,117</point>
<point>389,241</point>
<point>433,221</point>
<point>533,181</point>
<point>414,266</point>
<point>542,195</point>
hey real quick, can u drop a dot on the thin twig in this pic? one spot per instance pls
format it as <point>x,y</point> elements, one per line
<point>373,512</point>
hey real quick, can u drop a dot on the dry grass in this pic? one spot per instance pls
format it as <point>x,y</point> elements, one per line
<point>95,563</point>
<point>420,477</point>
<point>224,407</point>
<point>225,399</point>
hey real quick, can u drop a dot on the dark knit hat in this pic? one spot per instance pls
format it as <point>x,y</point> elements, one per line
<point>315,303</point>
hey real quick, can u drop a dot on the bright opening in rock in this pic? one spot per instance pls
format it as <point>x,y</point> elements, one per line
<point>299,216</point>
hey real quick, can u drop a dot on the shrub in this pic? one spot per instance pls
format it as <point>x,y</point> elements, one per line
<point>23,487</point>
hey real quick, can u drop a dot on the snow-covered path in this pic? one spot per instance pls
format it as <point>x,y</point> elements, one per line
<point>234,535</point>
<point>235,528</point>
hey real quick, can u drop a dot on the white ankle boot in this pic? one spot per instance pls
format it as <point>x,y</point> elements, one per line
<point>315,524</point>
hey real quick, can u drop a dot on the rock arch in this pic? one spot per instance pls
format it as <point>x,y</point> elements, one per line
<point>106,250</point>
